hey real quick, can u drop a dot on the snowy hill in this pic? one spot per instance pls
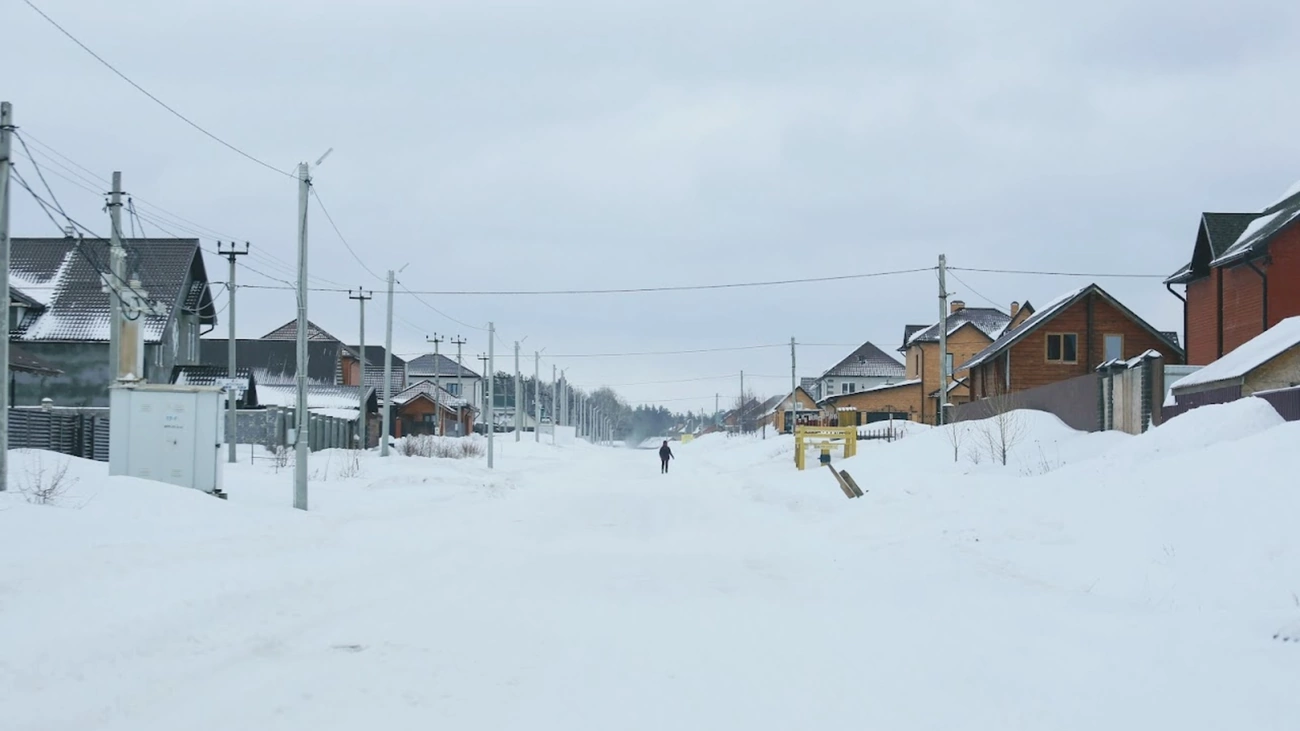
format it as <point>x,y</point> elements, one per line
<point>1094,581</point>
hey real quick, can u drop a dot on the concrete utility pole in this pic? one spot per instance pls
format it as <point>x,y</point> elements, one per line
<point>388,369</point>
<point>117,278</point>
<point>492,431</point>
<point>943,339</point>
<point>537,396</point>
<point>6,152</point>
<point>361,296</point>
<point>519,397</point>
<point>555,400</point>
<point>232,421</point>
<point>460,383</point>
<point>437,384</point>
<point>740,415</point>
<point>301,417</point>
<point>482,399</point>
<point>794,385</point>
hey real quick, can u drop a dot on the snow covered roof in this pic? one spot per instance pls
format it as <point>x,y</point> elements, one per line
<point>289,331</point>
<point>867,361</point>
<point>436,365</point>
<point>1046,314</point>
<point>1250,355</point>
<point>63,275</point>
<point>987,320</point>
<point>318,396</point>
<point>427,389</point>
<point>1274,219</point>
<point>873,389</point>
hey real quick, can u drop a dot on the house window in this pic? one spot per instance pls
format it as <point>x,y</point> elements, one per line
<point>948,359</point>
<point>427,418</point>
<point>1114,347</point>
<point>453,389</point>
<point>848,387</point>
<point>1063,348</point>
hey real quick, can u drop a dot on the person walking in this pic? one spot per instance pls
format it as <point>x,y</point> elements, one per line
<point>665,454</point>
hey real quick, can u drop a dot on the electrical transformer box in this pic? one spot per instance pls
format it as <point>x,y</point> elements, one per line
<point>167,433</point>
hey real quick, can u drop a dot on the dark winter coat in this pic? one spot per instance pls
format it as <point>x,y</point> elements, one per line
<point>665,453</point>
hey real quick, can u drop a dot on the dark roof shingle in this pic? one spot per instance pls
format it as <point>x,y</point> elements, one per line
<point>867,361</point>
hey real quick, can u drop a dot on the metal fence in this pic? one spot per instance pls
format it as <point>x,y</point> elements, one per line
<point>84,432</point>
<point>1074,401</point>
<point>75,432</point>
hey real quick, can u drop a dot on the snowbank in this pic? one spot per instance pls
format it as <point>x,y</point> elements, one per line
<point>1095,581</point>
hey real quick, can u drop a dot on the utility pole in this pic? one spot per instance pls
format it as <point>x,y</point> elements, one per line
<point>740,415</point>
<point>519,396</point>
<point>460,383</point>
<point>437,384</point>
<point>794,385</point>
<point>717,407</point>
<point>555,400</point>
<point>231,420</point>
<point>492,431</point>
<point>483,402</point>
<point>361,296</point>
<point>388,369</point>
<point>6,152</point>
<point>117,278</point>
<point>301,417</point>
<point>537,396</point>
<point>943,338</point>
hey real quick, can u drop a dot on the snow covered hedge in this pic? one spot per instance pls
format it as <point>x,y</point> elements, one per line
<point>424,445</point>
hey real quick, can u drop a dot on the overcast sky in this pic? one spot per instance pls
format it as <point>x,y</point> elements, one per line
<point>627,143</point>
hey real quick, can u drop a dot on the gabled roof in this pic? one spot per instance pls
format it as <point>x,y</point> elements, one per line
<point>289,331</point>
<point>908,332</point>
<point>781,401</point>
<point>1050,311</point>
<point>63,275</point>
<point>207,375</point>
<point>439,365</point>
<point>1215,234</point>
<point>867,361</point>
<point>988,320</point>
<point>275,360</point>
<point>1250,355</point>
<point>426,389</point>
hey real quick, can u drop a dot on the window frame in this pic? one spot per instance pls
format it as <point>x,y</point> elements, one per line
<point>1104,340</point>
<point>1047,348</point>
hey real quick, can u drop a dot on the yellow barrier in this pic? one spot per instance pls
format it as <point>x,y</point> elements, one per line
<point>825,438</point>
<point>688,438</point>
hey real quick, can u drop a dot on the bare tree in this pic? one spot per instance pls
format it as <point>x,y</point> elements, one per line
<point>1002,431</point>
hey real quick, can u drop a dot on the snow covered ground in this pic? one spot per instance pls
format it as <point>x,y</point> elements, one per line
<point>1095,581</point>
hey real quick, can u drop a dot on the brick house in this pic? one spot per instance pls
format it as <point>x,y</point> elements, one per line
<point>1069,337</point>
<point>1243,277</point>
<point>424,407</point>
<point>900,400</point>
<point>970,330</point>
<point>866,367</point>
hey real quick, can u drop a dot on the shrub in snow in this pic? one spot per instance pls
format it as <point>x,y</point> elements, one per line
<point>45,484</point>
<point>424,445</point>
<point>351,465</point>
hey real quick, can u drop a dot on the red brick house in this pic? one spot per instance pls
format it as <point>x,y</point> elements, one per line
<point>1243,278</point>
<point>1069,337</point>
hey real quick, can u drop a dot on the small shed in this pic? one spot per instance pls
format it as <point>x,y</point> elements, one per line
<point>1267,362</point>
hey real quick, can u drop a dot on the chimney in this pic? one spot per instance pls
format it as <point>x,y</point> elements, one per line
<point>1015,307</point>
<point>957,305</point>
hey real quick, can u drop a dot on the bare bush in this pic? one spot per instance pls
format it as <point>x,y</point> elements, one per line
<point>351,466</point>
<point>1042,464</point>
<point>1002,431</point>
<point>44,484</point>
<point>975,454</point>
<point>423,445</point>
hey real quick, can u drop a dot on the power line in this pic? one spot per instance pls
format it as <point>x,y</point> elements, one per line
<point>144,91</point>
<point>674,288</point>
<point>725,377</point>
<point>972,289</point>
<point>435,309</point>
<point>670,352</point>
<point>320,202</point>
<point>1113,275</point>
